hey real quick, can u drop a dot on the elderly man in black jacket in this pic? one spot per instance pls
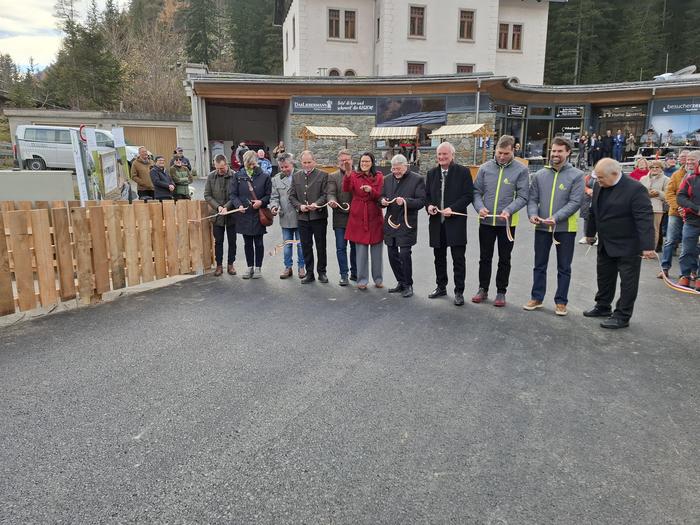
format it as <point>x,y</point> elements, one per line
<point>622,216</point>
<point>309,194</point>
<point>449,188</point>
<point>407,191</point>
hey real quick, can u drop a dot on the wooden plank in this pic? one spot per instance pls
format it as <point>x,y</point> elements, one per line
<point>64,253</point>
<point>74,204</point>
<point>7,206</point>
<point>131,246</point>
<point>41,205</point>
<point>143,223</point>
<point>58,204</point>
<point>158,238</point>
<point>115,244</point>
<point>23,205</point>
<point>183,244</point>
<point>7,300</point>
<point>83,257</point>
<point>170,224</point>
<point>43,252</point>
<point>100,258</point>
<point>89,204</point>
<point>207,239</point>
<point>195,231</point>
<point>122,203</point>
<point>106,203</point>
<point>22,256</point>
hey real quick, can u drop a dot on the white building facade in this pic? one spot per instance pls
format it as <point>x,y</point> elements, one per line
<point>415,37</point>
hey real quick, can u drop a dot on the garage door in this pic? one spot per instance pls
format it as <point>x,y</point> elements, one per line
<point>159,141</point>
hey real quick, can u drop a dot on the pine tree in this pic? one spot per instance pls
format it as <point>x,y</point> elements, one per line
<point>199,18</point>
<point>257,47</point>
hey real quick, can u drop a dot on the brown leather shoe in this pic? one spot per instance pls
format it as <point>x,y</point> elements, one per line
<point>231,269</point>
<point>286,274</point>
<point>302,273</point>
<point>219,270</point>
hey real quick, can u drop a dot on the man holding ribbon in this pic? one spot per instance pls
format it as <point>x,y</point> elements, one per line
<point>500,190</point>
<point>403,194</point>
<point>449,190</point>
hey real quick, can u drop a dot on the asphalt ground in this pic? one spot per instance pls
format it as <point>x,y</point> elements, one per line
<point>219,400</point>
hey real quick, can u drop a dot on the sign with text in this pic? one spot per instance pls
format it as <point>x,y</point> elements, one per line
<point>569,112</point>
<point>517,111</point>
<point>682,106</point>
<point>334,105</point>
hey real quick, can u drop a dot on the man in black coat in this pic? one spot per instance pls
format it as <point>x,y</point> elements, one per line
<point>622,215</point>
<point>409,188</point>
<point>449,188</point>
<point>607,144</point>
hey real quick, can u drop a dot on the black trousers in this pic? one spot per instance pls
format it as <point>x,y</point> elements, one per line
<point>146,194</point>
<point>488,235</point>
<point>254,250</point>
<point>607,269</point>
<point>310,232</point>
<point>230,230</point>
<point>401,263</point>
<point>458,263</point>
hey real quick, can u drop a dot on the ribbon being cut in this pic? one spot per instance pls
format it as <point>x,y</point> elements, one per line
<point>509,232</point>
<point>405,214</point>
<point>229,212</point>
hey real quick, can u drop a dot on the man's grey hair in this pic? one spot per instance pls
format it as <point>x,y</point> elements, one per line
<point>608,165</point>
<point>283,158</point>
<point>447,145</point>
<point>398,160</point>
<point>695,154</point>
<point>307,152</point>
<point>261,151</point>
<point>220,158</point>
<point>684,152</point>
<point>344,152</point>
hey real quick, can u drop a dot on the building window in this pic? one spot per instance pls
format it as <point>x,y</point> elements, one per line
<point>416,26</point>
<point>350,25</point>
<point>517,38</point>
<point>465,68</point>
<point>416,68</point>
<point>333,23</point>
<point>349,73</point>
<point>502,36</point>
<point>510,34</point>
<point>294,32</point>
<point>333,73</point>
<point>466,25</point>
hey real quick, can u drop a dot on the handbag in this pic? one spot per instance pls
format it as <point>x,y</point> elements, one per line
<point>264,215</point>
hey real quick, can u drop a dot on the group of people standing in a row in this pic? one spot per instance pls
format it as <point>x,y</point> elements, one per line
<point>154,181</point>
<point>371,209</point>
<point>594,147</point>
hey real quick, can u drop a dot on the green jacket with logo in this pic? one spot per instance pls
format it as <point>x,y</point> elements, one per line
<point>556,194</point>
<point>501,188</point>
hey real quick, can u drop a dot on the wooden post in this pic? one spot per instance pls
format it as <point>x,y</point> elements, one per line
<point>22,258</point>
<point>7,300</point>
<point>100,258</point>
<point>64,253</point>
<point>207,252</point>
<point>195,232</point>
<point>83,257</point>
<point>183,244</point>
<point>158,238</point>
<point>115,243</point>
<point>131,246</point>
<point>43,253</point>
<point>170,223</point>
<point>143,222</point>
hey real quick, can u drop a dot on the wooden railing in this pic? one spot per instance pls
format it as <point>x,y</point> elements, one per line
<point>59,251</point>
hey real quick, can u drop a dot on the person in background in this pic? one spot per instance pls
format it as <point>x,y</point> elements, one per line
<point>656,182</point>
<point>338,200</point>
<point>518,151</point>
<point>607,144</point>
<point>263,163</point>
<point>278,150</point>
<point>630,146</point>
<point>641,168</point>
<point>282,207</point>
<point>689,201</point>
<point>240,150</point>
<point>618,145</point>
<point>163,185</point>
<point>182,177</point>
<point>594,150</point>
<point>179,154</point>
<point>670,165</point>
<point>365,225</point>
<point>141,174</point>
<point>216,193</point>
<point>581,161</point>
<point>251,188</point>
<point>235,164</point>
<point>588,183</point>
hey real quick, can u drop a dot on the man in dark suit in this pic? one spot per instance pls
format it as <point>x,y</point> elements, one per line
<point>622,216</point>
<point>607,144</point>
<point>449,189</point>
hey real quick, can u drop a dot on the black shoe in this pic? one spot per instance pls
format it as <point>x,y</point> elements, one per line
<point>309,278</point>
<point>396,289</point>
<point>343,281</point>
<point>322,278</point>
<point>438,292</point>
<point>597,311</point>
<point>407,291</point>
<point>353,277</point>
<point>614,323</point>
<point>459,299</point>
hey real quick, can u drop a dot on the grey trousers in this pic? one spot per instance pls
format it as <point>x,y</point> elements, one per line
<point>363,252</point>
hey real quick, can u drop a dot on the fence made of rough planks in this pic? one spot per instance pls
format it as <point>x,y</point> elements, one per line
<point>53,251</point>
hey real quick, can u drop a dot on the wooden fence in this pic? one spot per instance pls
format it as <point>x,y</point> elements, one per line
<point>58,251</point>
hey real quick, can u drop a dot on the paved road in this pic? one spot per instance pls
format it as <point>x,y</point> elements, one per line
<point>220,400</point>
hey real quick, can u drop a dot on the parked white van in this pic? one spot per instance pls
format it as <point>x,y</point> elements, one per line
<point>41,147</point>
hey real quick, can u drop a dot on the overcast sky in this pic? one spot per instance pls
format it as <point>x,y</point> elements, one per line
<point>28,29</point>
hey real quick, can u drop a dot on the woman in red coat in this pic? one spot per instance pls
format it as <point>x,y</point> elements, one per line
<point>365,223</point>
<point>641,169</point>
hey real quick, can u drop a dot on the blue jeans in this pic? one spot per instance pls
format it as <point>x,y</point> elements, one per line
<point>291,234</point>
<point>341,250</point>
<point>565,255</point>
<point>688,260</point>
<point>674,232</point>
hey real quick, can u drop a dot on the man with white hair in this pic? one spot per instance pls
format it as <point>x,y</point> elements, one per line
<point>621,214</point>
<point>449,190</point>
<point>403,194</point>
<point>263,163</point>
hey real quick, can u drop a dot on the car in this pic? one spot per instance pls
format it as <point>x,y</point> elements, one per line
<point>40,147</point>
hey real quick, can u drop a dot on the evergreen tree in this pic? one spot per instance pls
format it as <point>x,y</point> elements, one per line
<point>199,18</point>
<point>257,46</point>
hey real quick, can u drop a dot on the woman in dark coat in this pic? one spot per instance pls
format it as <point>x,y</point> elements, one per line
<point>248,223</point>
<point>365,223</point>
<point>163,185</point>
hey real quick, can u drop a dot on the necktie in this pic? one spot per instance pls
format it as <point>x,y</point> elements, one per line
<point>442,194</point>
